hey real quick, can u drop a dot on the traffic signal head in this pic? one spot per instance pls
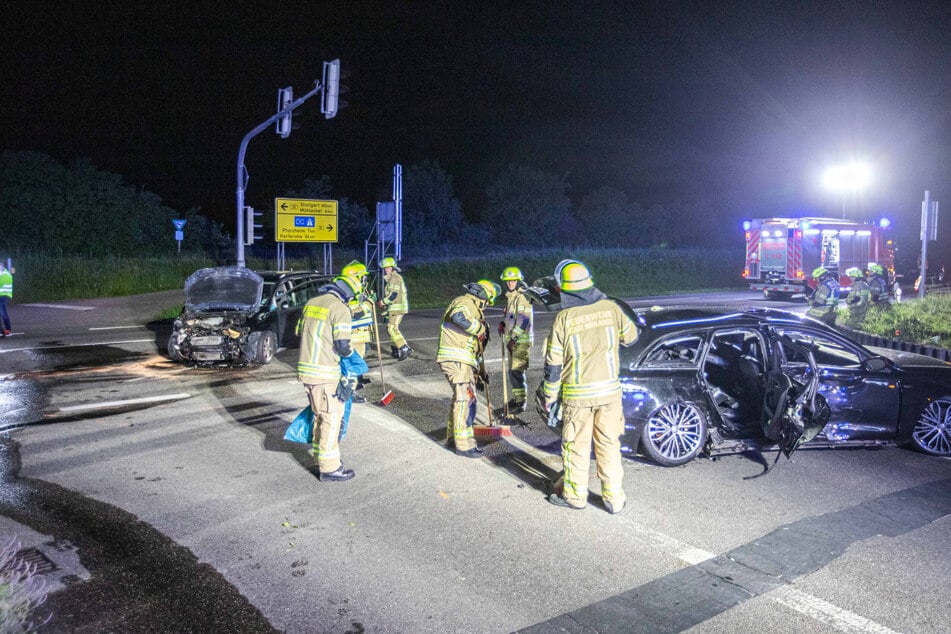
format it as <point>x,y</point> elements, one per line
<point>332,89</point>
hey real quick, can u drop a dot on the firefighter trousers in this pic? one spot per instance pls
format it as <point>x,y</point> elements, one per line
<point>393,329</point>
<point>518,363</point>
<point>603,424</point>
<point>328,414</point>
<point>461,379</point>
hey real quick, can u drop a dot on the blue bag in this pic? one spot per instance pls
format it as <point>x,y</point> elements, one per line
<point>302,428</point>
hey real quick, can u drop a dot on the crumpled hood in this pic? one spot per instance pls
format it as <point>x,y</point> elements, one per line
<point>909,359</point>
<point>223,288</point>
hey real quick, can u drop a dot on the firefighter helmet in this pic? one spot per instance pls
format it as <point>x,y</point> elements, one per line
<point>876,268</point>
<point>354,269</point>
<point>818,272</point>
<point>484,289</point>
<point>572,276</point>
<point>512,274</point>
<point>348,285</point>
<point>388,262</point>
<point>854,272</point>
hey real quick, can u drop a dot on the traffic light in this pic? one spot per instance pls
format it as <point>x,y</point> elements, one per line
<point>331,103</point>
<point>284,98</point>
<point>249,226</point>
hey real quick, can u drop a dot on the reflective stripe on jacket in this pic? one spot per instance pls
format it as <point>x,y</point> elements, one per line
<point>394,294</point>
<point>325,319</point>
<point>455,342</point>
<point>518,317</point>
<point>361,314</point>
<point>582,360</point>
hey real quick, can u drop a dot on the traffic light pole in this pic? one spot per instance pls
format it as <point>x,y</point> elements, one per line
<point>243,172</point>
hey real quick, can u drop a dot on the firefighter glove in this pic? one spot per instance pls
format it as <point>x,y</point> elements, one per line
<point>344,389</point>
<point>501,328</point>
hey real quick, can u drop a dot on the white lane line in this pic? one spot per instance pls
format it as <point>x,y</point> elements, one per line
<point>131,401</point>
<point>838,618</point>
<point>114,327</point>
<point>63,306</point>
<point>77,345</point>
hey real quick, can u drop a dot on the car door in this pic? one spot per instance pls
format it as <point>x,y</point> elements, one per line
<point>863,397</point>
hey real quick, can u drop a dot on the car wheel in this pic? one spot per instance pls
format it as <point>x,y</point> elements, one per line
<point>932,431</point>
<point>675,434</point>
<point>267,346</point>
<point>173,352</point>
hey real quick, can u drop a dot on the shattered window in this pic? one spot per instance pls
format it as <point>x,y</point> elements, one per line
<point>827,351</point>
<point>677,351</point>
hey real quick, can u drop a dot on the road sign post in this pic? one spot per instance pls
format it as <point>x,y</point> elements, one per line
<point>179,234</point>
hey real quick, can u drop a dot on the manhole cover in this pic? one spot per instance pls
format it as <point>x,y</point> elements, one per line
<point>32,557</point>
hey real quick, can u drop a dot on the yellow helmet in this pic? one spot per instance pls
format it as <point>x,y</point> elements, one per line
<point>354,269</point>
<point>512,274</point>
<point>573,276</point>
<point>349,285</point>
<point>819,272</point>
<point>490,290</point>
<point>387,262</point>
<point>853,272</point>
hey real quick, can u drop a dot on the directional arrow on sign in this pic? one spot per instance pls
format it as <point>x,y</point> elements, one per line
<point>330,227</point>
<point>284,207</point>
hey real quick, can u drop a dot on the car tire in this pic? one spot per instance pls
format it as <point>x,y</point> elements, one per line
<point>932,431</point>
<point>266,348</point>
<point>173,352</point>
<point>675,433</point>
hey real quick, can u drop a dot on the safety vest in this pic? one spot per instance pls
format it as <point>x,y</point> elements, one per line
<point>323,320</point>
<point>825,299</point>
<point>6,283</point>
<point>394,294</point>
<point>518,317</point>
<point>859,295</point>
<point>456,344</point>
<point>878,288</point>
<point>582,353</point>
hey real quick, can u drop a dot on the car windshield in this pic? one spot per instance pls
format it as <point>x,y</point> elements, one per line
<point>223,288</point>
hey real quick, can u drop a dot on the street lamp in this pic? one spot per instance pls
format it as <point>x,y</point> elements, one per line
<point>850,178</point>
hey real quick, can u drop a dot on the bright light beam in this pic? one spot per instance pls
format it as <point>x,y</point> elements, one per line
<point>852,177</point>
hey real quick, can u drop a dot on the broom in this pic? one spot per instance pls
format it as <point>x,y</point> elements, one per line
<point>491,429</point>
<point>387,395</point>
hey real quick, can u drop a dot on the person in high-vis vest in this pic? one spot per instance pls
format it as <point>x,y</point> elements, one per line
<point>394,303</point>
<point>858,298</point>
<point>877,285</point>
<point>517,333</point>
<point>825,299</point>
<point>361,314</point>
<point>581,373</point>
<point>324,329</point>
<point>462,338</point>
<point>6,295</point>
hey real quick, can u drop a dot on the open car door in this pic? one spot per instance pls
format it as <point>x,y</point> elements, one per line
<point>793,410</point>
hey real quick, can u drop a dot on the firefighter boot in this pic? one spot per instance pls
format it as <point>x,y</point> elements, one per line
<point>337,475</point>
<point>404,352</point>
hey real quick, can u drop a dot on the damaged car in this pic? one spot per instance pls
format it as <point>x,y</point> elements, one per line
<point>236,316</point>
<point>703,381</point>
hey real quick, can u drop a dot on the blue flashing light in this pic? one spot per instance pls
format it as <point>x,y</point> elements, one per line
<point>747,225</point>
<point>884,223</point>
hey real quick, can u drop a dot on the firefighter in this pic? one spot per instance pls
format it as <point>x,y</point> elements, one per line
<point>877,285</point>
<point>361,314</point>
<point>394,305</point>
<point>581,376</point>
<point>517,333</point>
<point>858,298</point>
<point>6,295</point>
<point>825,299</point>
<point>324,329</point>
<point>462,338</point>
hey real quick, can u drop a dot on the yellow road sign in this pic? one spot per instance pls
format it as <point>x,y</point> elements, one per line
<point>305,220</point>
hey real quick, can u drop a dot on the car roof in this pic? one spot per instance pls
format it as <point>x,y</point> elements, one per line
<point>278,276</point>
<point>659,318</point>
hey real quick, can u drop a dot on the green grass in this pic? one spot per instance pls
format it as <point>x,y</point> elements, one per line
<point>924,321</point>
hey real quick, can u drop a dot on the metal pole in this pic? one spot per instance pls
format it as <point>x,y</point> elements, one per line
<point>925,207</point>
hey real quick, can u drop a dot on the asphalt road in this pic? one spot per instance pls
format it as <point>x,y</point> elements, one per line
<point>166,500</point>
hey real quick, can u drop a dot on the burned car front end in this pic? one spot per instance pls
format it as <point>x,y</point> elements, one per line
<point>216,323</point>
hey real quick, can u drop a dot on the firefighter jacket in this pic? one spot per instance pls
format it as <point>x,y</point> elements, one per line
<point>878,288</point>
<point>324,330</point>
<point>462,325</point>
<point>518,317</point>
<point>6,282</point>
<point>361,313</point>
<point>859,295</point>
<point>826,295</point>
<point>582,361</point>
<point>394,294</point>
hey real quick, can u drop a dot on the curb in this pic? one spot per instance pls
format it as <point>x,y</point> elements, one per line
<point>867,339</point>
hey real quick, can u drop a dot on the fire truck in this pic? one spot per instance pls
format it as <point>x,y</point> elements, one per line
<point>781,253</point>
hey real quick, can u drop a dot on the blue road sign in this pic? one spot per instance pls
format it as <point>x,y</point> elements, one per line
<point>179,224</point>
<point>179,235</point>
<point>304,221</point>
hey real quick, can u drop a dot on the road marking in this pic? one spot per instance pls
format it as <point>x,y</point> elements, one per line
<point>77,345</point>
<point>63,306</point>
<point>131,401</point>
<point>838,618</point>
<point>115,327</point>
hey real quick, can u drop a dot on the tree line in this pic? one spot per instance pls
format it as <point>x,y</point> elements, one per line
<point>78,209</point>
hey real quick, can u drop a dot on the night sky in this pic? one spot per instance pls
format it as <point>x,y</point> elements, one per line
<point>735,105</point>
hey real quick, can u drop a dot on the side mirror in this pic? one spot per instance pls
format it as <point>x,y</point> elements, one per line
<point>876,364</point>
